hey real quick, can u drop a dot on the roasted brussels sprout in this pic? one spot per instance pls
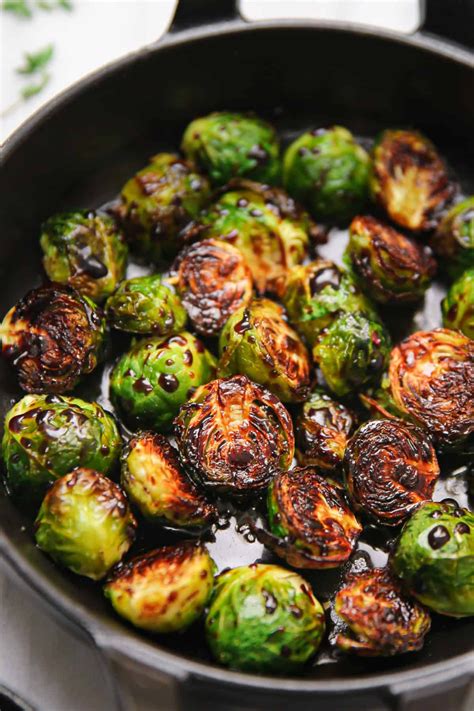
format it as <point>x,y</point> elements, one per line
<point>258,342</point>
<point>378,618</point>
<point>432,381</point>
<point>323,427</point>
<point>264,618</point>
<point>46,436</point>
<point>265,224</point>
<point>229,145</point>
<point>146,305</point>
<point>352,352</point>
<point>310,522</point>
<point>164,590</point>
<point>85,523</point>
<point>329,172</point>
<point>53,336</point>
<point>234,436</point>
<point>151,382</point>
<point>158,202</point>
<point>317,293</point>
<point>458,306</point>
<point>156,484</point>
<point>453,240</point>
<point>85,250</point>
<point>391,268</point>
<point>434,557</point>
<point>390,468</point>
<point>213,280</point>
<point>409,179</point>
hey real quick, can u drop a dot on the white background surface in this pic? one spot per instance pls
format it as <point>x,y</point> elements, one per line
<point>40,661</point>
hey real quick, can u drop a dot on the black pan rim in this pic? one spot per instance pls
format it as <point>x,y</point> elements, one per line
<point>123,643</point>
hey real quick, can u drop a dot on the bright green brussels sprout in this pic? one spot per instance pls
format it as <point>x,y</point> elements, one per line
<point>53,336</point>
<point>158,202</point>
<point>85,523</point>
<point>453,240</point>
<point>229,145</point>
<point>390,468</point>
<point>85,250</point>
<point>458,306</point>
<point>379,620</point>
<point>234,436</point>
<point>329,172</point>
<point>323,427</point>
<point>389,267</point>
<point>157,375</point>
<point>431,377</point>
<point>265,224</point>
<point>258,342</point>
<point>146,305</point>
<point>409,180</point>
<point>311,525</point>
<point>214,280</point>
<point>264,618</point>
<point>46,436</point>
<point>315,295</point>
<point>157,485</point>
<point>352,352</point>
<point>434,557</point>
<point>164,590</point>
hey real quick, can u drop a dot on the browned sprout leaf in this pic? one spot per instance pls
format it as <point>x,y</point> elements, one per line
<point>311,525</point>
<point>157,485</point>
<point>52,336</point>
<point>213,280</point>
<point>409,179</point>
<point>432,380</point>
<point>234,436</point>
<point>390,468</point>
<point>323,427</point>
<point>379,619</point>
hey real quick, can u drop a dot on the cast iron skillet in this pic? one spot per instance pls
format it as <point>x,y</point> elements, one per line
<point>81,148</point>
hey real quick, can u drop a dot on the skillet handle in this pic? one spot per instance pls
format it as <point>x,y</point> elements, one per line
<point>449,19</point>
<point>193,13</point>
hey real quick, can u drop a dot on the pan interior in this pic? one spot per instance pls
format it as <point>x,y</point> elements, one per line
<point>82,153</point>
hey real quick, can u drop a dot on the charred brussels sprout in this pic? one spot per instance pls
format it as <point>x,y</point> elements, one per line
<point>323,427</point>
<point>310,522</point>
<point>85,523</point>
<point>85,250</point>
<point>391,467</point>
<point>378,618</point>
<point>434,557</point>
<point>317,293</point>
<point>158,202</point>
<point>156,484</point>
<point>151,382</point>
<point>391,268</point>
<point>258,342</point>
<point>352,352</point>
<point>264,618</point>
<point>329,172</point>
<point>265,224</point>
<point>458,306</point>
<point>432,381</point>
<point>234,436</point>
<point>53,336</point>
<point>409,179</point>
<point>453,240</point>
<point>214,281</point>
<point>229,145</point>
<point>46,436</point>
<point>146,305</point>
<point>165,590</point>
